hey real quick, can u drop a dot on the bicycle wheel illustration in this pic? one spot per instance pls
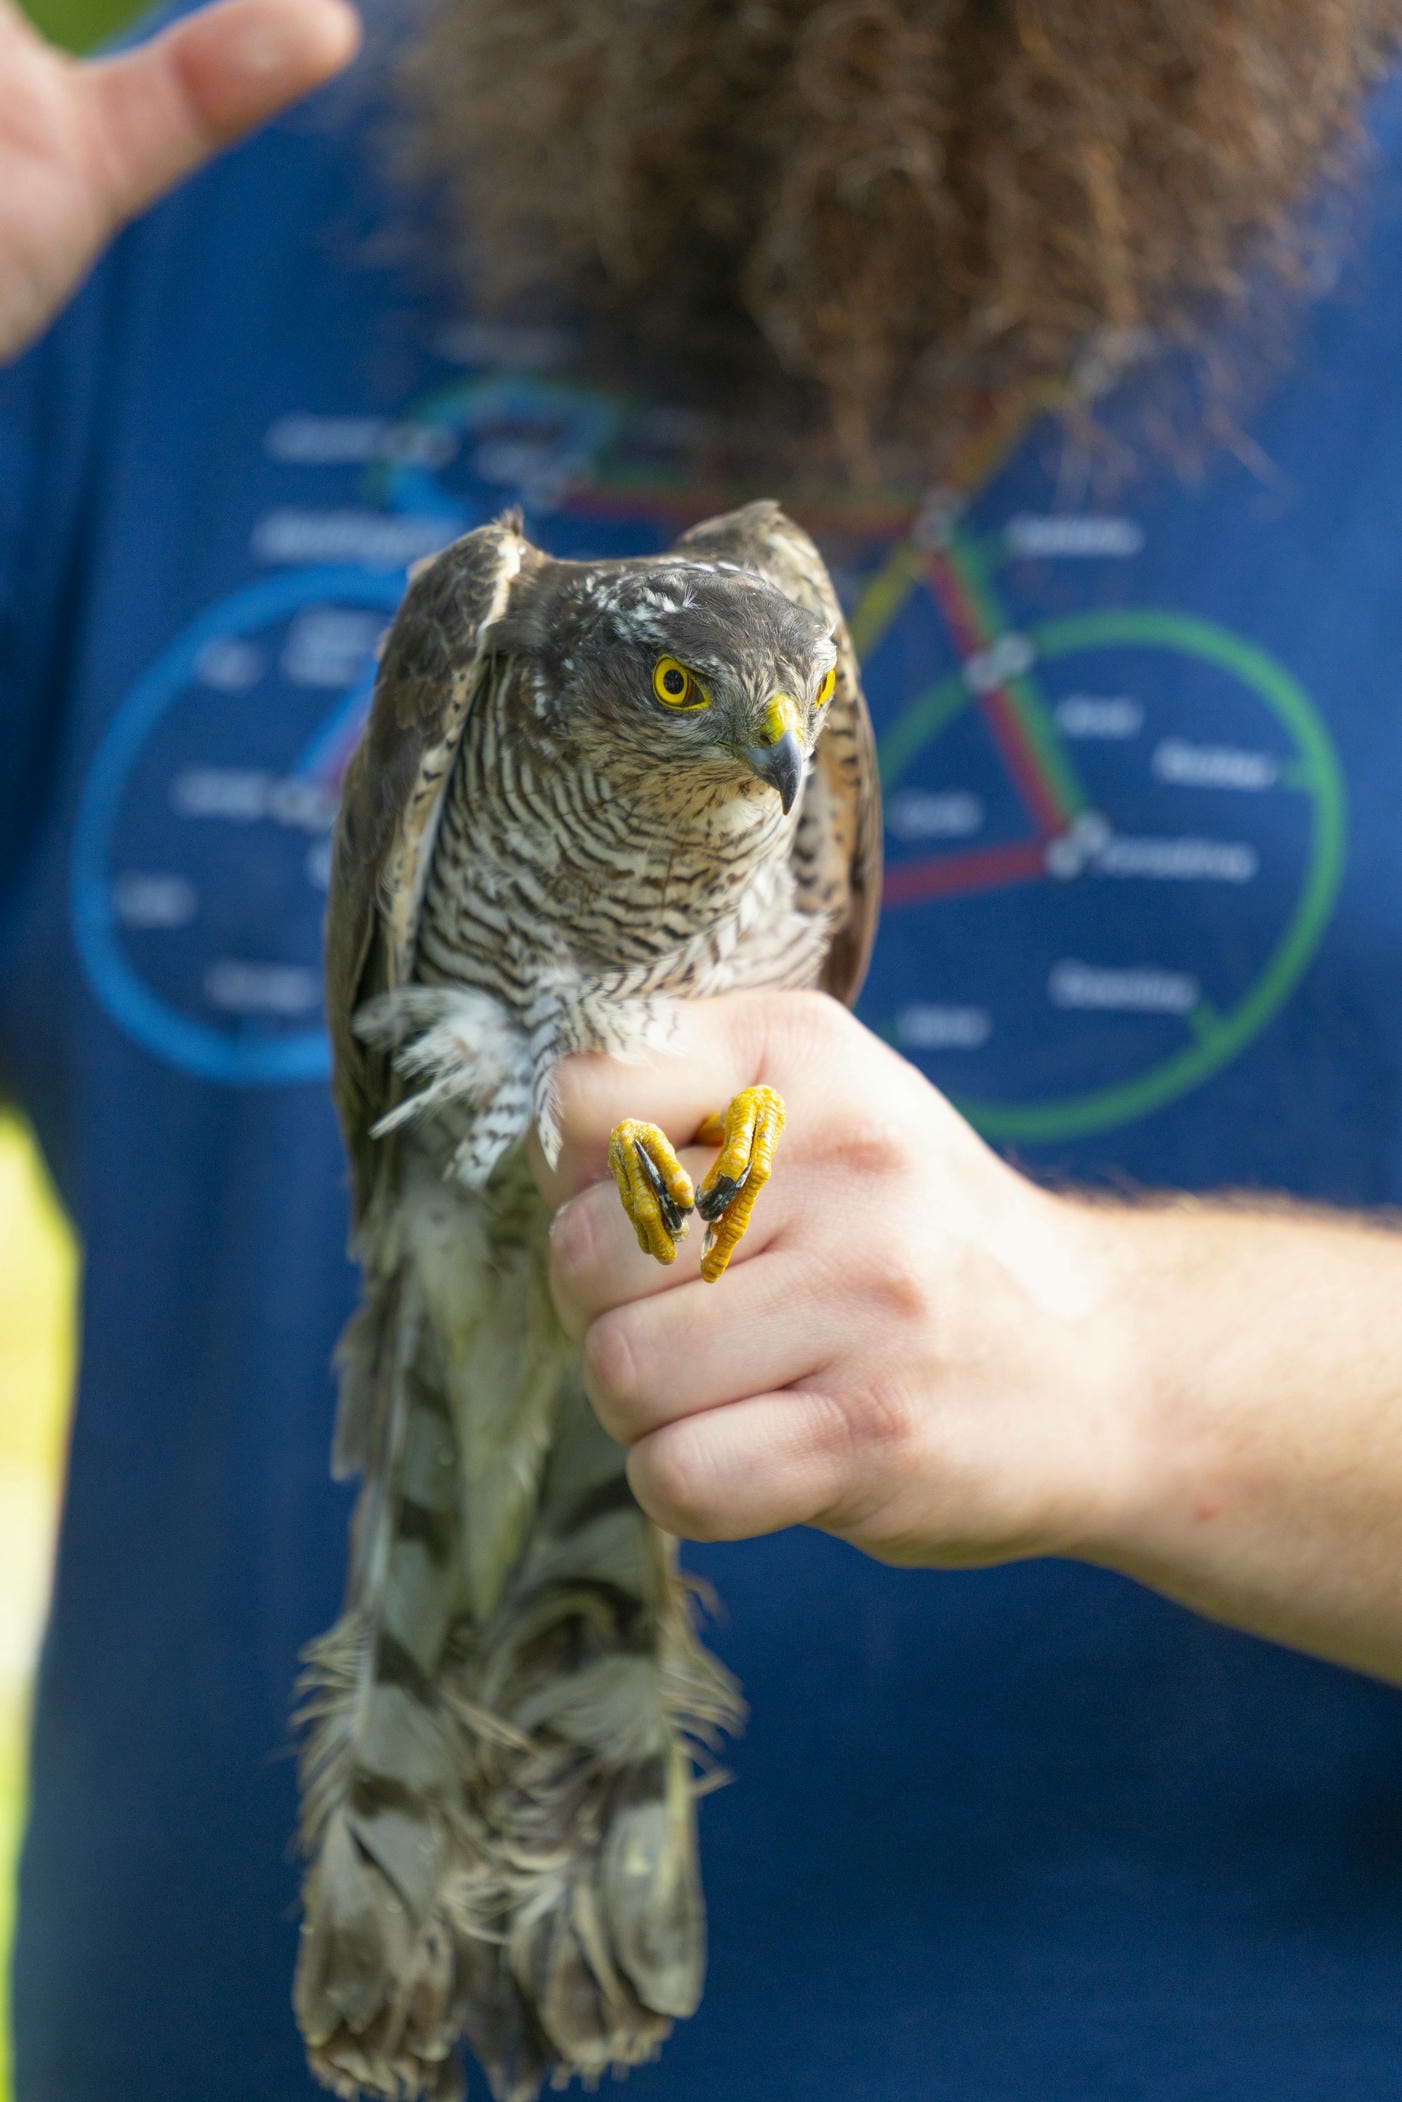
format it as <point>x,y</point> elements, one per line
<point>1072,776</point>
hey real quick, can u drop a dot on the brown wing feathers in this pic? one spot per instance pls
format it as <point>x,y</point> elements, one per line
<point>390,800</point>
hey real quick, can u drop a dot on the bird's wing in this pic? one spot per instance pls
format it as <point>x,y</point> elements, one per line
<point>837,843</point>
<point>391,799</point>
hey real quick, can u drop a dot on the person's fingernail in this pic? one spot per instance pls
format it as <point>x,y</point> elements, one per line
<point>266,47</point>
<point>346,18</point>
<point>262,50</point>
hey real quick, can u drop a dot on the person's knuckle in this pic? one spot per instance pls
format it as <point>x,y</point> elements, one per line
<point>877,1419</point>
<point>887,1418</point>
<point>828,1430</point>
<point>900,1290</point>
<point>866,1441</point>
<point>613,1369</point>
<point>676,1477</point>
<point>872,1145</point>
<point>574,1239</point>
<point>834,1456</point>
<point>788,1034</point>
<point>815,1022</point>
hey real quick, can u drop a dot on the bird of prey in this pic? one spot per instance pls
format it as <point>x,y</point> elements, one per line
<point>586,790</point>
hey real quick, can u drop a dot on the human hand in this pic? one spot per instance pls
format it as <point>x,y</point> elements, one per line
<point>910,1349</point>
<point>87,144</point>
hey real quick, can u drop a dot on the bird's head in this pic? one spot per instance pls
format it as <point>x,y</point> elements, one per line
<point>687,666</point>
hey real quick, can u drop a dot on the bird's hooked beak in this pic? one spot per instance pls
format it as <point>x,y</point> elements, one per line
<point>778,756</point>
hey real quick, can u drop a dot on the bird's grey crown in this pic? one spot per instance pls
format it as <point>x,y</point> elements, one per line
<point>713,616</point>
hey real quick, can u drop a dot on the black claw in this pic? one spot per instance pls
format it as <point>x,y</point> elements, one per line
<point>721,1195</point>
<point>673,1217</point>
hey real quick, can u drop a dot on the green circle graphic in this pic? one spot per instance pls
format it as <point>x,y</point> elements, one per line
<point>1220,1038</point>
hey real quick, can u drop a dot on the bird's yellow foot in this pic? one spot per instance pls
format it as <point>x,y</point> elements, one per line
<point>656,1190</point>
<point>748,1133</point>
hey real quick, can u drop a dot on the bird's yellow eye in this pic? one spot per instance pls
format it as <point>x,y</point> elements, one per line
<point>675,686</point>
<point>825,690</point>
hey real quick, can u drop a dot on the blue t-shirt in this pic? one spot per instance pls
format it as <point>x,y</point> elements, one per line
<point>1020,1835</point>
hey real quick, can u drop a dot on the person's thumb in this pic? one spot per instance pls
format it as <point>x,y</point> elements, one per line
<point>156,114</point>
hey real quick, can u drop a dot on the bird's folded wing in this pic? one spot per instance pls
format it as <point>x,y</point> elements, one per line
<point>391,799</point>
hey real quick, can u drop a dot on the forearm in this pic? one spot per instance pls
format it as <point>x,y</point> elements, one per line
<point>1259,1356</point>
<point>921,1351</point>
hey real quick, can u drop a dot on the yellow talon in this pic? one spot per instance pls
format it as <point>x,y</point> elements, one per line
<point>748,1133</point>
<point>656,1190</point>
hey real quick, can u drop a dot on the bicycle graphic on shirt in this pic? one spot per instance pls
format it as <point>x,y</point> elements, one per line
<point>1058,779</point>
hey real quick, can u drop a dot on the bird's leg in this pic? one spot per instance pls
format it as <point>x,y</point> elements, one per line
<point>656,1190</point>
<point>748,1132</point>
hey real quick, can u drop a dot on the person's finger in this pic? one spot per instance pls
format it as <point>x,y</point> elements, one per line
<point>654,1360</point>
<point>596,1263</point>
<point>720,1047</point>
<point>153,115</point>
<point>18,35</point>
<point>755,1467</point>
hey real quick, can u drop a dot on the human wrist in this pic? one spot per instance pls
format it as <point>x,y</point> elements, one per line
<point>1185,1354</point>
<point>1080,1434</point>
<point>1131,1347</point>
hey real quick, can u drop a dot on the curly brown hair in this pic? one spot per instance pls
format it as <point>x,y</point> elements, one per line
<point>888,204</point>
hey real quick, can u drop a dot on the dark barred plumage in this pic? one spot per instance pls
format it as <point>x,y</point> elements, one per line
<point>536,856</point>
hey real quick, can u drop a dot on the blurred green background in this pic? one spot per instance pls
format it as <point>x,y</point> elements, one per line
<point>37,1278</point>
<point>79,23</point>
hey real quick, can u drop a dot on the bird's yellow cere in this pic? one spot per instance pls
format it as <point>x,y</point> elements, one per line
<point>780,716</point>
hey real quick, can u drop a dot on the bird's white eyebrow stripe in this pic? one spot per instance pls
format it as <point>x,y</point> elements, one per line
<point>670,590</point>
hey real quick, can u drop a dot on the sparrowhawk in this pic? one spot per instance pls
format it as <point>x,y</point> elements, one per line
<point>585,791</point>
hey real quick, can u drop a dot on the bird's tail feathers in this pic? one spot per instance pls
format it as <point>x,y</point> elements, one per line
<point>386,1824</point>
<point>498,1799</point>
<point>593,1658</point>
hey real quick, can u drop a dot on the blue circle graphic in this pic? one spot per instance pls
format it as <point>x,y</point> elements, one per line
<point>210,1053</point>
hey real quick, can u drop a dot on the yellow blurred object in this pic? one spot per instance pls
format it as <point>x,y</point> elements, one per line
<point>38,1275</point>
